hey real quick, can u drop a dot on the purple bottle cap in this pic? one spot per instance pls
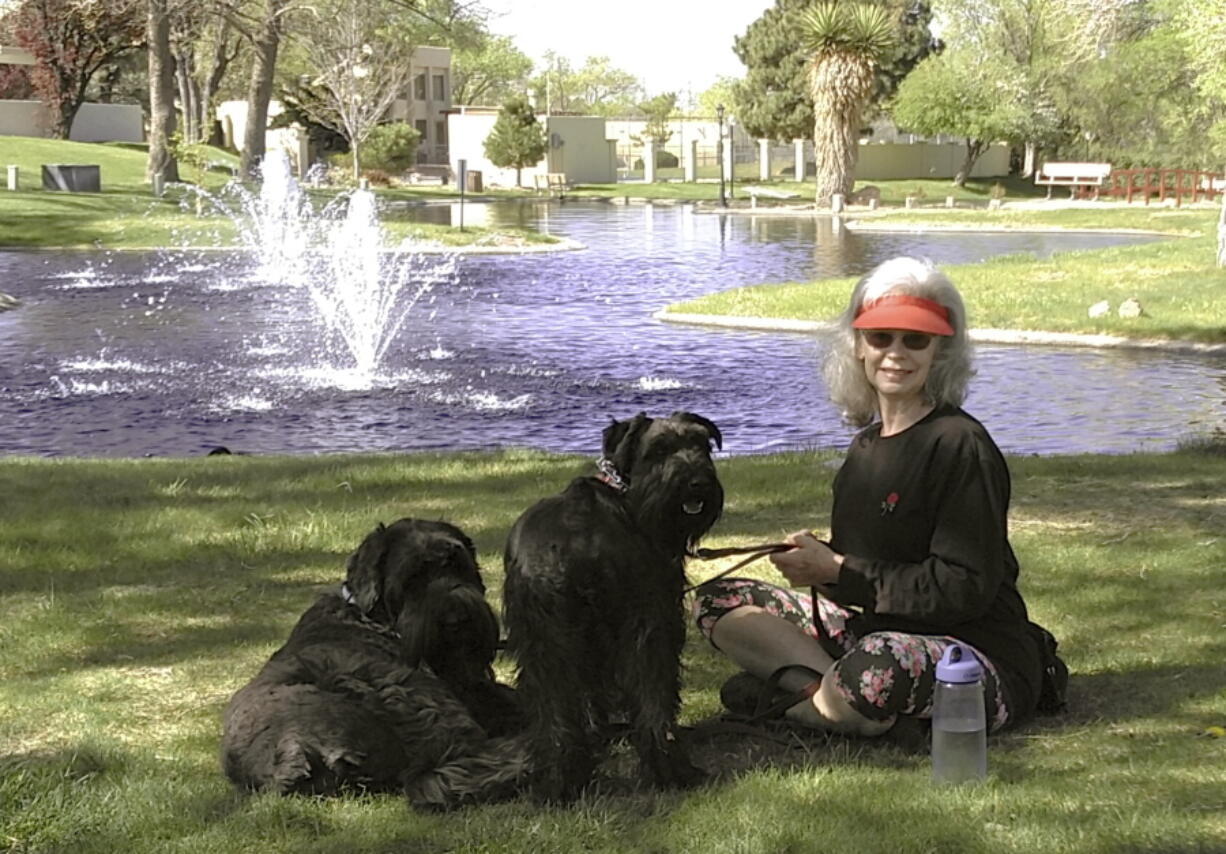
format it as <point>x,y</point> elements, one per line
<point>959,665</point>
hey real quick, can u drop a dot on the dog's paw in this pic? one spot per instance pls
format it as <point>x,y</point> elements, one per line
<point>673,771</point>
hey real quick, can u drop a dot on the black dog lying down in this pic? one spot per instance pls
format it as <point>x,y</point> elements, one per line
<point>385,684</point>
<point>593,606</point>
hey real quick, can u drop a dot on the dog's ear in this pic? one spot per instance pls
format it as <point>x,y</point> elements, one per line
<point>704,423</point>
<point>364,570</point>
<point>621,441</point>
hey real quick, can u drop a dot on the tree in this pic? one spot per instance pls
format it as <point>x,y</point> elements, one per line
<point>160,163</point>
<point>72,40</point>
<point>719,92</point>
<point>845,41</point>
<point>1050,42</point>
<point>952,93</point>
<point>1138,106</point>
<point>517,139</point>
<point>488,72</point>
<point>363,56</point>
<point>597,88</point>
<point>1200,25</point>
<point>205,45</point>
<point>773,100</point>
<point>658,110</point>
<point>264,35</point>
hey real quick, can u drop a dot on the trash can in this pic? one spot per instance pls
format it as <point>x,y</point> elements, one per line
<point>72,178</point>
<point>472,181</point>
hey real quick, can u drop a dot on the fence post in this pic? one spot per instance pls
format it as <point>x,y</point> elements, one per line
<point>764,159</point>
<point>690,154</point>
<point>799,151</point>
<point>649,160</point>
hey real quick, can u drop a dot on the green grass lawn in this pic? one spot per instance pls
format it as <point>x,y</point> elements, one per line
<point>1182,292</point>
<point>126,215</point>
<point>137,595</point>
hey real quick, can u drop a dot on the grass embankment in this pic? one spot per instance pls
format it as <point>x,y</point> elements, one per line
<point>1182,292</point>
<point>138,595</point>
<point>125,215</point>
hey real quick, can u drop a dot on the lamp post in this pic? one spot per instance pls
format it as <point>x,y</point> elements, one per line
<point>719,152</point>
<point>731,156</point>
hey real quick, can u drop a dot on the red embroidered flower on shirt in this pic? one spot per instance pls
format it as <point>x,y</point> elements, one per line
<point>891,501</point>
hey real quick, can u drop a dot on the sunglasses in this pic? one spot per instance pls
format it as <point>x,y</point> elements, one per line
<point>884,340</point>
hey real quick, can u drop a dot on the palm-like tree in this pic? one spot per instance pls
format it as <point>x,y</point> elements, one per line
<point>847,41</point>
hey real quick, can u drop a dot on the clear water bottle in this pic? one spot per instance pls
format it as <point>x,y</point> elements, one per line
<point>959,724</point>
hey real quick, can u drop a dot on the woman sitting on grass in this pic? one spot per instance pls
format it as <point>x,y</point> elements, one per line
<point>919,554</point>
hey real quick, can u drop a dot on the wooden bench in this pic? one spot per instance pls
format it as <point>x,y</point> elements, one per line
<point>1075,176</point>
<point>551,182</point>
<point>769,193</point>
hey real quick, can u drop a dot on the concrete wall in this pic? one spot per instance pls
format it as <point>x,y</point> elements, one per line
<point>578,148</point>
<point>291,140</point>
<point>684,130</point>
<point>93,122</point>
<point>887,161</point>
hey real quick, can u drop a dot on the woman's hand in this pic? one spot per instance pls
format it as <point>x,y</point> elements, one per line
<point>811,563</point>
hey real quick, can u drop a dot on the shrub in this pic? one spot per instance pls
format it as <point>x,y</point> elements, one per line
<point>377,177</point>
<point>664,160</point>
<point>391,147</point>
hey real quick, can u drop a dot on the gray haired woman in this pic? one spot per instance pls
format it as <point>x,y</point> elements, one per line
<point>918,556</point>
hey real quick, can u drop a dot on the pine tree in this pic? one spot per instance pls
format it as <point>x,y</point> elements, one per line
<point>517,139</point>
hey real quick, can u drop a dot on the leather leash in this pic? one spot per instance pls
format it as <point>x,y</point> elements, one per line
<point>754,552</point>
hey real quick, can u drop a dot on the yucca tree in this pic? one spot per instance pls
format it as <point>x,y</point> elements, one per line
<point>847,40</point>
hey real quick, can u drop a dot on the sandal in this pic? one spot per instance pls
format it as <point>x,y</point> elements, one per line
<point>747,696</point>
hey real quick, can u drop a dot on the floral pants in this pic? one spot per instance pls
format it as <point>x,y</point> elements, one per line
<point>881,674</point>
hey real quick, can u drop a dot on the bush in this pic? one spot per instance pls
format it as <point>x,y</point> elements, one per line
<point>664,160</point>
<point>390,148</point>
<point>377,177</point>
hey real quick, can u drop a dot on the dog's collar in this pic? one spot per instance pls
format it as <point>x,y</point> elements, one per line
<point>610,476</point>
<point>347,595</point>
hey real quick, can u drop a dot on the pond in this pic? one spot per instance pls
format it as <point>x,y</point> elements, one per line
<point>170,354</point>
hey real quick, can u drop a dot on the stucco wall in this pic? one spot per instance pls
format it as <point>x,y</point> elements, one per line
<point>886,161</point>
<point>291,140</point>
<point>578,148</point>
<point>93,122</point>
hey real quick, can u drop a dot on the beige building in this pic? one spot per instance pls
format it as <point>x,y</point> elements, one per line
<point>578,148</point>
<point>424,105</point>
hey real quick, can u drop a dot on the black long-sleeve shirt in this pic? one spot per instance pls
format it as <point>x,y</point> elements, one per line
<point>921,519</point>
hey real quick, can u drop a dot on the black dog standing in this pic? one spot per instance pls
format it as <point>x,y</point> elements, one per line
<point>385,683</point>
<point>592,601</point>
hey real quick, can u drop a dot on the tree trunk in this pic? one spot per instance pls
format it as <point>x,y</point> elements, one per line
<point>161,160</point>
<point>840,85</point>
<point>183,79</point>
<point>212,81</point>
<point>259,93</point>
<point>1028,160</point>
<point>357,165</point>
<point>61,124</point>
<point>974,148</point>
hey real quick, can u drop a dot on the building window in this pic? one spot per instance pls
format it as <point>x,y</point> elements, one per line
<point>421,126</point>
<point>440,133</point>
<point>419,87</point>
<point>440,87</point>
